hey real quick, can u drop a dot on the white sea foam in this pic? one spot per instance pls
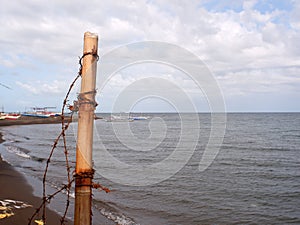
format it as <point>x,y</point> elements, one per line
<point>9,203</point>
<point>17,151</point>
<point>118,219</point>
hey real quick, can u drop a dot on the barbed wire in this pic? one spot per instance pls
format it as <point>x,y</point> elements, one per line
<point>65,123</point>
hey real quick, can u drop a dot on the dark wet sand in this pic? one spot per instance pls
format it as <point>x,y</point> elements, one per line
<point>14,186</point>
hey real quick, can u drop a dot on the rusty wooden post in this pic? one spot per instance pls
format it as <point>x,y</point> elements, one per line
<point>86,100</point>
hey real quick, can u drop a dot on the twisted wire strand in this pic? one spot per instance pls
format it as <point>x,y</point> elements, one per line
<point>64,127</point>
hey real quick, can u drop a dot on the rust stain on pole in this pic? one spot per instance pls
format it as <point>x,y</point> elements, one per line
<point>86,100</point>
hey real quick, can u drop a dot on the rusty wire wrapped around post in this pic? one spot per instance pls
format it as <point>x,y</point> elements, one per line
<point>94,54</point>
<point>82,99</point>
<point>84,178</point>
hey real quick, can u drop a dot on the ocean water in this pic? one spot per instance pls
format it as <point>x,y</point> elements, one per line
<point>254,179</point>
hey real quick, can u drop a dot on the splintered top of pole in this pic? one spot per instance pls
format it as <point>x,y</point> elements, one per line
<point>89,40</point>
<point>87,33</point>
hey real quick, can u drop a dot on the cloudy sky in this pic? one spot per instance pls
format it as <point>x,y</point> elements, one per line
<point>251,47</point>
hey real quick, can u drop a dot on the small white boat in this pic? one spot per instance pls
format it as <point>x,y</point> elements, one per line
<point>139,117</point>
<point>10,116</point>
<point>2,116</point>
<point>119,119</point>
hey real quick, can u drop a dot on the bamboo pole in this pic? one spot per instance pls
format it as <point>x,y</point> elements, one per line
<point>84,169</point>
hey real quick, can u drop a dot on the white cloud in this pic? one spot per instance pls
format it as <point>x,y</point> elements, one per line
<point>244,40</point>
<point>248,4</point>
<point>41,88</point>
<point>269,80</point>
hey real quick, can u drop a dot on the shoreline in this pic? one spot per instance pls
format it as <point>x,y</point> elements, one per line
<point>16,186</point>
<point>1,139</point>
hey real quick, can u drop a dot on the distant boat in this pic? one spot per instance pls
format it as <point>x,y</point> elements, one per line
<point>139,117</point>
<point>41,113</point>
<point>32,114</point>
<point>118,119</point>
<point>10,116</point>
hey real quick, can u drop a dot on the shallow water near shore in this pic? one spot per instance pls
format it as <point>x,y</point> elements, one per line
<point>253,180</point>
